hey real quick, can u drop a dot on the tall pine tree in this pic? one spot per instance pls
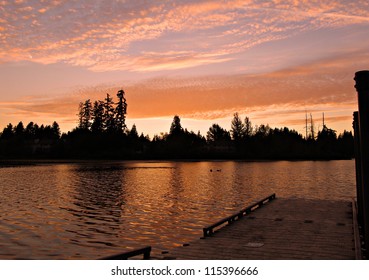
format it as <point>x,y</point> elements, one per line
<point>121,111</point>
<point>84,115</point>
<point>98,117</point>
<point>237,128</point>
<point>109,114</point>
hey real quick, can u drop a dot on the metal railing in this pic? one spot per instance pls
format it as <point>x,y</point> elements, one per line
<point>207,231</point>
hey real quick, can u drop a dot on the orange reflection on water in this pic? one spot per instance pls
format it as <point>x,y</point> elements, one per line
<point>94,209</point>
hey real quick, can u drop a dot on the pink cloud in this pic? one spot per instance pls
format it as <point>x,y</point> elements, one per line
<point>100,36</point>
<point>258,46</point>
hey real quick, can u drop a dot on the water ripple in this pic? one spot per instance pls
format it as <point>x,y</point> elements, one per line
<point>90,210</point>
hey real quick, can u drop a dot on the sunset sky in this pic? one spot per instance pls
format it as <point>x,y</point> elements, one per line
<point>272,61</point>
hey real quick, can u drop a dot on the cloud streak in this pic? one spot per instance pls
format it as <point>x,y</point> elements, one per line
<point>279,98</point>
<point>115,35</point>
<point>203,60</point>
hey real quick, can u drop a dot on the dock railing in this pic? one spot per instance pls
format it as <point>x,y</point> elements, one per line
<point>145,251</point>
<point>207,231</point>
<point>361,132</point>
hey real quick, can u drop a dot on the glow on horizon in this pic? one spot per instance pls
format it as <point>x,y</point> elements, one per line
<point>203,60</point>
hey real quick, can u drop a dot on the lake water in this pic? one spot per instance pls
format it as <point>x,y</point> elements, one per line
<point>95,209</point>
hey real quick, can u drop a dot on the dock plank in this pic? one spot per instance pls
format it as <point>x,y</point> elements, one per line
<point>282,229</point>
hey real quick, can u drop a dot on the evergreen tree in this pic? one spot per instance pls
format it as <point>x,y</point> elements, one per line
<point>87,110</point>
<point>327,134</point>
<point>55,130</point>
<point>248,130</point>
<point>48,133</point>
<point>7,132</point>
<point>121,111</point>
<point>36,129</point>
<point>237,128</point>
<point>217,134</point>
<point>30,130</point>
<point>346,144</point>
<point>84,115</point>
<point>109,112</point>
<point>98,117</point>
<point>133,132</point>
<point>176,127</point>
<point>19,129</point>
<point>80,115</point>
<point>40,132</point>
<point>262,131</point>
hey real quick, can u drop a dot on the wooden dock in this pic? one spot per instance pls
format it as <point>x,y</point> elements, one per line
<point>281,229</point>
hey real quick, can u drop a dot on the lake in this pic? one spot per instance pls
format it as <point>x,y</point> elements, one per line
<point>88,210</point>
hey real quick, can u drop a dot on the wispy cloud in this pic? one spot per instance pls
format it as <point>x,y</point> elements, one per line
<point>54,107</point>
<point>278,96</point>
<point>116,35</point>
<point>273,59</point>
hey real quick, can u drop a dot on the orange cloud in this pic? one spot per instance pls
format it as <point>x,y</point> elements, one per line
<point>102,37</point>
<point>275,98</point>
<point>261,48</point>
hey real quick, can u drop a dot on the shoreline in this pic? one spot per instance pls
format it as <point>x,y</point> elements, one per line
<point>31,162</point>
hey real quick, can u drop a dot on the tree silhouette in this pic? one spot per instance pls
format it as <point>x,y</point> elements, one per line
<point>30,130</point>
<point>19,129</point>
<point>133,134</point>
<point>345,143</point>
<point>103,116</point>
<point>100,135</point>
<point>55,130</point>
<point>84,115</point>
<point>326,143</point>
<point>7,132</point>
<point>237,128</point>
<point>121,111</point>
<point>262,131</point>
<point>109,114</point>
<point>327,134</point>
<point>97,117</point>
<point>31,141</point>
<point>248,129</point>
<point>176,127</point>
<point>80,115</point>
<point>217,134</point>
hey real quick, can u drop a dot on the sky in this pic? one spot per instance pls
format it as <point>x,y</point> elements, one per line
<point>272,61</point>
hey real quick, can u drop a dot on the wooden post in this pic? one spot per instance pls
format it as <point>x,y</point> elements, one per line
<point>359,188</point>
<point>362,88</point>
<point>146,253</point>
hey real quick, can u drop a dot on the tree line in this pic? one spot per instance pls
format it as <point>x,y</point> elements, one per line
<point>30,141</point>
<point>103,116</point>
<point>243,141</point>
<point>102,133</point>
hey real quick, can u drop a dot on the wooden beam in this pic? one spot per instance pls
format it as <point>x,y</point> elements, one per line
<point>207,231</point>
<point>145,251</point>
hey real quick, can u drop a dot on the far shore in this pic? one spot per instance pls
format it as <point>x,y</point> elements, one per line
<point>30,162</point>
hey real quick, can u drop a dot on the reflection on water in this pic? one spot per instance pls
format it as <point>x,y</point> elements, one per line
<point>91,210</point>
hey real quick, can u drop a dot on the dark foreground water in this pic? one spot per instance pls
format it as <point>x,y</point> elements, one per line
<point>91,210</point>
